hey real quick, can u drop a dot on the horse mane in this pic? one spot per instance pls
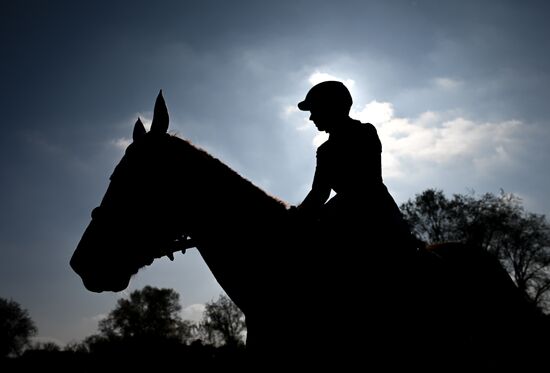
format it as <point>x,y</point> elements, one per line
<point>241,188</point>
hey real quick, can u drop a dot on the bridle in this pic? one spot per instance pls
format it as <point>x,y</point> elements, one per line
<point>166,247</point>
<point>182,242</point>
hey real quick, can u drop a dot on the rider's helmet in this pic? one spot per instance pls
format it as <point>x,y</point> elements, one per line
<point>331,95</point>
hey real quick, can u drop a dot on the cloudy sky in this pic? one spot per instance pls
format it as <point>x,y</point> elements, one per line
<point>456,89</point>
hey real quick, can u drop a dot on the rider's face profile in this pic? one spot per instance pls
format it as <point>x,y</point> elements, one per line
<point>324,118</point>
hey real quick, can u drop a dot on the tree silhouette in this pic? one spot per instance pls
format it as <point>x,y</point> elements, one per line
<point>146,330</point>
<point>16,328</point>
<point>150,313</point>
<point>496,223</point>
<point>223,323</point>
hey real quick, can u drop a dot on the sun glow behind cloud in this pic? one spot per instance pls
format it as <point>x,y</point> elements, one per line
<point>318,77</point>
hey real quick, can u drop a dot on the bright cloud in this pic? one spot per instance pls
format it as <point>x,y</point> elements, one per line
<point>193,312</point>
<point>320,138</point>
<point>435,139</point>
<point>374,112</point>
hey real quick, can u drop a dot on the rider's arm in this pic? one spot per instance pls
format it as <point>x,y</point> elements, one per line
<point>320,190</point>
<point>315,199</point>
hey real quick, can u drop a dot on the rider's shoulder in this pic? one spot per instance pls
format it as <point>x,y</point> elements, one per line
<point>364,126</point>
<point>359,129</point>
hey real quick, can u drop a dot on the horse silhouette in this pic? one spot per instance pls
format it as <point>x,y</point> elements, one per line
<point>307,301</point>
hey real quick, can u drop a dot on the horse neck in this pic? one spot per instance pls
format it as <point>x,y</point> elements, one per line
<point>222,201</point>
<point>232,222</point>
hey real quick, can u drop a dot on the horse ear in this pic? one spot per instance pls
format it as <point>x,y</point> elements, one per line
<point>160,116</point>
<point>139,130</point>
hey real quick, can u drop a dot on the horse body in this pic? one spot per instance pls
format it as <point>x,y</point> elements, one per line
<point>294,291</point>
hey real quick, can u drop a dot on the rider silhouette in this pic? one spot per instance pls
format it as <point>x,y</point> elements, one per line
<point>349,163</point>
<point>356,242</point>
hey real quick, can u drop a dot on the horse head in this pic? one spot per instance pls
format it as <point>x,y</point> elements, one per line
<point>138,219</point>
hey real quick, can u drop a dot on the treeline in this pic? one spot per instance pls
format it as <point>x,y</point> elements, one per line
<point>145,330</point>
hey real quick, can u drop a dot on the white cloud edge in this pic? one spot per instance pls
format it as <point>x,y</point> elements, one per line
<point>193,312</point>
